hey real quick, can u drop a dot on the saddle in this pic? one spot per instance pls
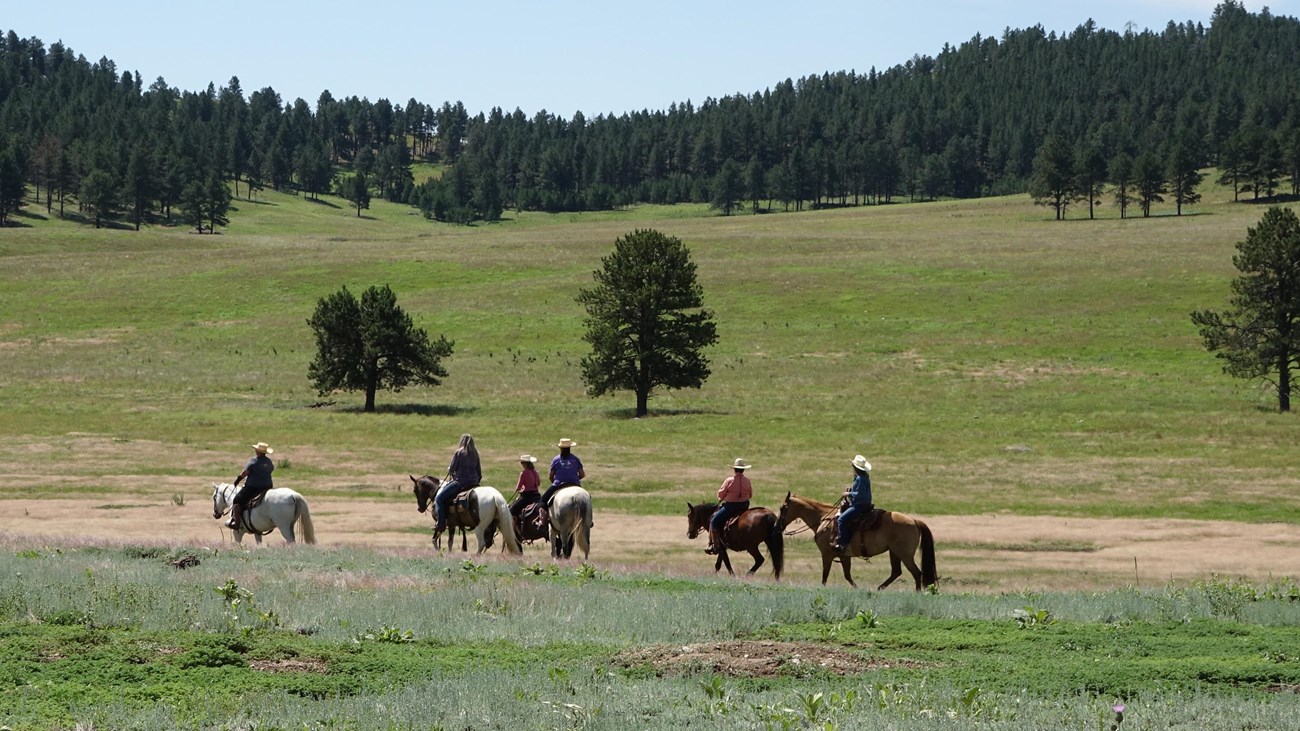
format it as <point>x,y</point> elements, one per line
<point>464,511</point>
<point>533,523</point>
<point>869,520</point>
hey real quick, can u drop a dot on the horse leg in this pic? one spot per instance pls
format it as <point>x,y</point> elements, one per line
<point>910,563</point>
<point>826,564</point>
<point>464,540</point>
<point>845,562</point>
<point>758,560</point>
<point>717,565</point>
<point>725,560</point>
<point>895,571</point>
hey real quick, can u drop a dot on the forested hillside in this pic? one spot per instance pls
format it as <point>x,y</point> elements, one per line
<point>967,122</point>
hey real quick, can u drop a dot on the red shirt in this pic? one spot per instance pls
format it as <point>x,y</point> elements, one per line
<point>736,489</point>
<point>528,481</point>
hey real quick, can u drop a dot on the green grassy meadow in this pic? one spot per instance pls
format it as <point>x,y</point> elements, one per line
<point>984,357</point>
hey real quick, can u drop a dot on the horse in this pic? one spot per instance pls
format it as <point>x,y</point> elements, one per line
<point>493,514</point>
<point>754,527</point>
<point>571,521</point>
<point>280,508</point>
<point>897,533</point>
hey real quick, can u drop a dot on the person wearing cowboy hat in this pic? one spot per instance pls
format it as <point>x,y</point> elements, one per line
<point>566,470</point>
<point>734,494</point>
<point>858,497</point>
<point>258,473</point>
<point>527,486</point>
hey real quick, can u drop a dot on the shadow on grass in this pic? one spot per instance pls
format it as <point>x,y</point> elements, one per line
<point>323,202</point>
<point>412,409</point>
<point>662,413</point>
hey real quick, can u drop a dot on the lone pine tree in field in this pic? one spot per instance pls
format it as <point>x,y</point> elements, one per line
<point>1260,336</point>
<point>371,344</point>
<point>645,320</point>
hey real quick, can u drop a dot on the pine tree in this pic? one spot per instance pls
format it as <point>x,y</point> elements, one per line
<point>1259,336</point>
<point>371,344</point>
<point>645,320</point>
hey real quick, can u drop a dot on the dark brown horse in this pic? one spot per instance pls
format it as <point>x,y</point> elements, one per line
<point>755,527</point>
<point>897,533</point>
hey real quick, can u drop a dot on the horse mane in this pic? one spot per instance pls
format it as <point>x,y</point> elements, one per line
<point>815,503</point>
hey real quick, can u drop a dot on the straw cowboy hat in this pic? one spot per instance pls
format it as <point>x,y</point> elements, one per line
<point>739,464</point>
<point>527,458</point>
<point>263,448</point>
<point>861,463</point>
<point>566,443</point>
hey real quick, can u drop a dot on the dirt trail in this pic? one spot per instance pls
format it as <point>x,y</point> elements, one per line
<point>983,553</point>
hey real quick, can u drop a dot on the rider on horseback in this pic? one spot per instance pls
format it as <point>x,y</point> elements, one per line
<point>735,493</point>
<point>527,486</point>
<point>463,474</point>
<point>258,472</point>
<point>566,470</point>
<point>858,497</point>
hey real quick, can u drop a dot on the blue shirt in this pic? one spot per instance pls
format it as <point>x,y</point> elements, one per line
<point>860,491</point>
<point>259,472</point>
<point>566,469</point>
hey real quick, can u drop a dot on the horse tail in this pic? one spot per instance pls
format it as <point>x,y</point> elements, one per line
<point>506,524</point>
<point>583,527</point>
<point>776,546</point>
<point>303,515</point>
<point>929,572</point>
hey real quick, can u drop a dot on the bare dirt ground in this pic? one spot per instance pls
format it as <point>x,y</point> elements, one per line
<point>982,553</point>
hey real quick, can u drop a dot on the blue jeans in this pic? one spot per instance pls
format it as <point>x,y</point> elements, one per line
<point>725,513</point>
<point>442,501</point>
<point>846,516</point>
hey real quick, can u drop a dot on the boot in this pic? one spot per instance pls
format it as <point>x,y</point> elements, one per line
<point>714,542</point>
<point>236,514</point>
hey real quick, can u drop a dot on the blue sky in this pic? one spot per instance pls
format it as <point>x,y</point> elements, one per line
<point>562,56</point>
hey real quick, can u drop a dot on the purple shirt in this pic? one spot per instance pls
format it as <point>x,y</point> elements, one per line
<point>566,469</point>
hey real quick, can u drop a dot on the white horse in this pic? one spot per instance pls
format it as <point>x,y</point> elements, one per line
<point>280,508</point>
<point>493,513</point>
<point>570,521</point>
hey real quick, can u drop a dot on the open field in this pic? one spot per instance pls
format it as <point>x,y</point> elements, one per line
<point>1034,390</point>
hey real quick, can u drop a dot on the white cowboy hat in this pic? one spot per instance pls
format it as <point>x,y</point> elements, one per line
<point>527,458</point>
<point>861,463</point>
<point>739,464</point>
<point>566,442</point>
<point>262,448</point>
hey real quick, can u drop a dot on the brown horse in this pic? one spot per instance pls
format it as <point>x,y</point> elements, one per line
<point>896,533</point>
<point>754,527</point>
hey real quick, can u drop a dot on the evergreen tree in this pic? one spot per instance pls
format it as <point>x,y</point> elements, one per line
<point>755,183</point>
<point>1148,181</point>
<point>1183,171</point>
<point>218,206</point>
<point>356,190</point>
<point>12,187</point>
<point>140,184</point>
<point>371,344</point>
<point>645,320</point>
<point>1120,175</point>
<point>1259,336</point>
<point>1090,175</point>
<point>100,193</point>
<point>728,189</point>
<point>1054,183</point>
<point>194,202</point>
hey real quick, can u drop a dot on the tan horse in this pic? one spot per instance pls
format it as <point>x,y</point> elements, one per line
<point>896,533</point>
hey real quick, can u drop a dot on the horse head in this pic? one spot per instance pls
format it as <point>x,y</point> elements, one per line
<point>424,489</point>
<point>783,517</point>
<point>693,524</point>
<point>219,500</point>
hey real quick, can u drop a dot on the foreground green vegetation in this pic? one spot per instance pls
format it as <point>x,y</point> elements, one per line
<point>123,638</point>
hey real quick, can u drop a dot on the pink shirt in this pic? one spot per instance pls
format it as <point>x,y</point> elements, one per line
<point>528,481</point>
<point>736,489</point>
